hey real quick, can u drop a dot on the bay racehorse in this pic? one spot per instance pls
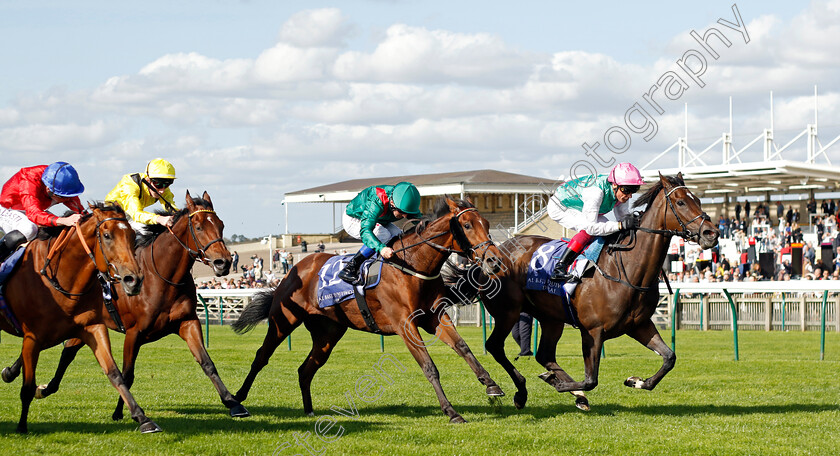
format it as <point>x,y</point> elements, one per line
<point>619,299</point>
<point>167,303</point>
<point>55,295</point>
<point>408,296</point>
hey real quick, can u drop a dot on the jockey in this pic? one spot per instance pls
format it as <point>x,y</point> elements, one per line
<point>138,191</point>
<point>580,205</point>
<point>26,197</point>
<point>369,217</point>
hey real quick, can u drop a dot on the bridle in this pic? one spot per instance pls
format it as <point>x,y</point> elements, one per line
<point>684,233</point>
<point>459,236</point>
<point>200,254</point>
<point>109,275</point>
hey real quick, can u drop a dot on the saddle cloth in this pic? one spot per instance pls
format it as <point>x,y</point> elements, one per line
<point>543,261</point>
<point>332,290</point>
<point>6,270</point>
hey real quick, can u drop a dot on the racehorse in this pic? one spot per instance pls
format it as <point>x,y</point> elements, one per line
<point>167,303</point>
<point>408,297</point>
<point>619,299</point>
<point>55,295</point>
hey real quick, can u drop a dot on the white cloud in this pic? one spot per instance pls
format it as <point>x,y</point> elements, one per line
<point>326,27</point>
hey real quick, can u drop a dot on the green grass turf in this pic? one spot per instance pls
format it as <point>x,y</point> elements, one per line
<point>778,399</point>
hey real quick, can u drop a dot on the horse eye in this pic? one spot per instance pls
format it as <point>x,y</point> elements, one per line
<point>106,235</point>
<point>467,226</point>
<point>680,203</point>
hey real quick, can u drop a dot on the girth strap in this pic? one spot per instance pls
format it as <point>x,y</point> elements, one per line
<point>364,310</point>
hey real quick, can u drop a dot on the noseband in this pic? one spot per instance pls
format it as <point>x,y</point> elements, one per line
<point>457,232</point>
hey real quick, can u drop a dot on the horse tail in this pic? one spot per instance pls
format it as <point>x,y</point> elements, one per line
<point>256,311</point>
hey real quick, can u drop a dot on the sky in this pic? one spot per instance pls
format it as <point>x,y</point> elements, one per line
<point>251,99</point>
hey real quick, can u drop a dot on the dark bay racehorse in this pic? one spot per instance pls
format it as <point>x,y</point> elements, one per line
<point>619,301</point>
<point>400,304</point>
<point>167,303</point>
<point>55,295</point>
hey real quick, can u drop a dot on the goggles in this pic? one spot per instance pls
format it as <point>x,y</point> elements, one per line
<point>161,183</point>
<point>629,189</point>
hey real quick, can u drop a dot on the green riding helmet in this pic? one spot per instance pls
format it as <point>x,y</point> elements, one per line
<point>406,198</point>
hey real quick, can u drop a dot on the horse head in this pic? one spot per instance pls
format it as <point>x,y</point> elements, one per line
<point>471,234</point>
<point>682,214</point>
<point>205,234</point>
<point>113,239</point>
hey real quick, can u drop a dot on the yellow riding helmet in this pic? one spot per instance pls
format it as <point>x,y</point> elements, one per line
<point>160,169</point>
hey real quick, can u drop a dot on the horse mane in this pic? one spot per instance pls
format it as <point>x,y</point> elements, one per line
<point>650,195</point>
<point>146,236</point>
<point>441,208</point>
<point>48,232</point>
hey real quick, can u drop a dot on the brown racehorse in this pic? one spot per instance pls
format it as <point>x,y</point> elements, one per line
<point>621,300</point>
<point>399,304</point>
<point>64,300</point>
<point>167,303</point>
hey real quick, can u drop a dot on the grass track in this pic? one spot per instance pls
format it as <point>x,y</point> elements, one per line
<point>778,399</point>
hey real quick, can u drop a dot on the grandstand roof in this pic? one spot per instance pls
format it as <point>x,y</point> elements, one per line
<point>738,179</point>
<point>455,183</point>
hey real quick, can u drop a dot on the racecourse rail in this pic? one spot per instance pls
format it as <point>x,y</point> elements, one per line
<point>772,306</point>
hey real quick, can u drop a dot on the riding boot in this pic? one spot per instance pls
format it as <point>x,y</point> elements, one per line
<point>350,273</point>
<point>560,272</point>
<point>10,242</point>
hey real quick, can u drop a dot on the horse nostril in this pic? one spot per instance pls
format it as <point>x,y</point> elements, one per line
<point>220,263</point>
<point>129,280</point>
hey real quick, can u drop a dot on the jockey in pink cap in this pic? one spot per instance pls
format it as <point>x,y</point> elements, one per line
<point>580,205</point>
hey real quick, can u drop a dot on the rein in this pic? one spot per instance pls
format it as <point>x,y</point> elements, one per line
<point>684,233</point>
<point>110,276</point>
<point>441,248</point>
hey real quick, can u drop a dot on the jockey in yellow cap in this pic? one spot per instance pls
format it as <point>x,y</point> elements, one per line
<point>136,192</point>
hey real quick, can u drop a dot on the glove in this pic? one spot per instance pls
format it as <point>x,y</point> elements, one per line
<point>629,222</point>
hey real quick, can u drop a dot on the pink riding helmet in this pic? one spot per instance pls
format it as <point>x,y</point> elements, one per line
<point>625,174</point>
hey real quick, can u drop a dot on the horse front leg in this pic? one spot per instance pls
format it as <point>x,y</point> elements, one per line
<point>68,354</point>
<point>131,349</point>
<point>96,337</point>
<point>10,373</point>
<point>29,353</point>
<point>496,347</point>
<point>648,336</point>
<point>190,331</point>
<point>591,343</point>
<point>451,337</point>
<point>547,356</point>
<point>411,337</point>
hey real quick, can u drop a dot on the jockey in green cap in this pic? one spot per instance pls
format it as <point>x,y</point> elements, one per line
<point>370,216</point>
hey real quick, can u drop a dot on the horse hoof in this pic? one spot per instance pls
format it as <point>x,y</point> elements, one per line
<point>495,391</point>
<point>149,427</point>
<point>519,399</point>
<point>310,413</point>
<point>7,375</point>
<point>582,403</point>
<point>457,419</point>
<point>39,392</point>
<point>634,382</point>
<point>117,416</point>
<point>238,411</point>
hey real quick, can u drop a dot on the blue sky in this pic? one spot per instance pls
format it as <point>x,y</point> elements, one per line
<point>251,99</point>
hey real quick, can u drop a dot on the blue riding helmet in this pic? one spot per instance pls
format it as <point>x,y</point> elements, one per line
<point>62,180</point>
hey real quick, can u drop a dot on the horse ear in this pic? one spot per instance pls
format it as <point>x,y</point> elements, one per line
<point>665,183</point>
<point>206,197</point>
<point>453,206</point>
<point>680,176</point>
<point>190,204</point>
